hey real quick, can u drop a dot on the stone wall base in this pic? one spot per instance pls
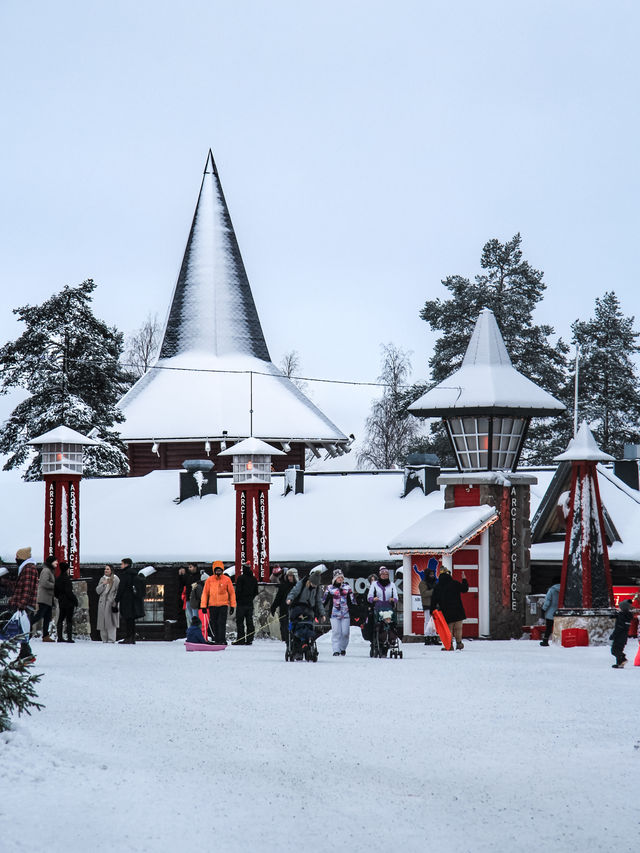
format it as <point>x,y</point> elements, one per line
<point>599,626</point>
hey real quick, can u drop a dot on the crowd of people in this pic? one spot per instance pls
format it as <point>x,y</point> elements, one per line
<point>299,606</point>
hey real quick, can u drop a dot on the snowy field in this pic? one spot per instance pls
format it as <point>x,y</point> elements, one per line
<point>502,747</point>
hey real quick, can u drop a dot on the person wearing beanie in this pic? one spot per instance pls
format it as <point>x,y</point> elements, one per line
<point>24,596</point>
<point>44,598</point>
<point>194,632</point>
<point>246,591</point>
<point>287,582</point>
<point>340,597</point>
<point>218,599</point>
<point>67,602</point>
<point>620,633</point>
<point>383,592</point>
<point>305,604</point>
<point>447,598</point>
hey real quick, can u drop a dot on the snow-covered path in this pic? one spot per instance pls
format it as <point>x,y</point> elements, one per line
<point>502,747</point>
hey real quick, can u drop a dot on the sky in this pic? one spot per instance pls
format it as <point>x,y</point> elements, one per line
<point>366,149</point>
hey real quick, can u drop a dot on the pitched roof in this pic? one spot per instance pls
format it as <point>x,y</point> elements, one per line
<point>444,530</point>
<point>486,382</point>
<point>214,365</point>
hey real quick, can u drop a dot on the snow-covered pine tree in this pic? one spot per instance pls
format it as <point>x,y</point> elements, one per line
<point>69,362</point>
<point>389,429</point>
<point>608,388</point>
<point>511,288</point>
<point>17,686</point>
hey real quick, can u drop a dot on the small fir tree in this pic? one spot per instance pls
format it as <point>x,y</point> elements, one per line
<point>608,392</point>
<point>390,430</point>
<point>17,686</point>
<point>69,362</point>
<point>511,288</point>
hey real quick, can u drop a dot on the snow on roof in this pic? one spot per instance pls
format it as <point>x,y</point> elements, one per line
<point>251,447</point>
<point>63,435</point>
<point>339,517</point>
<point>443,530</point>
<point>189,397</point>
<point>214,365</point>
<point>583,448</point>
<point>487,381</point>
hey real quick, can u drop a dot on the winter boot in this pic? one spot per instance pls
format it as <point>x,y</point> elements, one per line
<point>544,642</point>
<point>48,639</point>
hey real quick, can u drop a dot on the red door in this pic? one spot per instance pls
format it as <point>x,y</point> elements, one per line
<point>466,560</point>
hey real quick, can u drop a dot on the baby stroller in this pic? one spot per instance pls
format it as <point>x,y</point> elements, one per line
<point>385,637</point>
<point>302,635</point>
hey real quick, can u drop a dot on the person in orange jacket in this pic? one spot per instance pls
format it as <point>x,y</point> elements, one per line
<point>218,596</point>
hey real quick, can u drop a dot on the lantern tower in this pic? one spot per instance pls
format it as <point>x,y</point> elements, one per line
<point>252,478</point>
<point>62,453</point>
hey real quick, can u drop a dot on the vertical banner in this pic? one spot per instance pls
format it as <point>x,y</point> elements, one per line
<point>62,521</point>
<point>252,529</point>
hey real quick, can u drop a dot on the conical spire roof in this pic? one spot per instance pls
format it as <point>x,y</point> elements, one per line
<point>214,377</point>
<point>487,382</point>
<point>212,309</point>
<point>583,448</point>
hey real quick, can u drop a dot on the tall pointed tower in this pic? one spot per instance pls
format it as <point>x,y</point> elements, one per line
<point>214,382</point>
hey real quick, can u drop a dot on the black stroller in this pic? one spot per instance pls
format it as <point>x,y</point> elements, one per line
<point>385,636</point>
<point>301,644</point>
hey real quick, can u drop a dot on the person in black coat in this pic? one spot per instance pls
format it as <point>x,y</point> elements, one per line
<point>246,591</point>
<point>130,599</point>
<point>287,583</point>
<point>67,602</point>
<point>447,598</point>
<point>620,633</point>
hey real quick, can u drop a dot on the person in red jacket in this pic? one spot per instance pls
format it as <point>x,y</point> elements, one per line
<point>24,597</point>
<point>218,597</point>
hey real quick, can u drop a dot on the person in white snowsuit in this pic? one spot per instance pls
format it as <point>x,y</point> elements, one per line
<point>340,596</point>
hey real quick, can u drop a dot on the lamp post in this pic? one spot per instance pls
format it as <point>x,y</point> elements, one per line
<point>252,478</point>
<point>62,453</point>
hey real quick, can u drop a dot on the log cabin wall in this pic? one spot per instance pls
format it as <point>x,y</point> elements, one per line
<point>171,455</point>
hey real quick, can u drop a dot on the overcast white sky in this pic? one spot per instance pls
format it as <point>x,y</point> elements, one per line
<point>367,150</point>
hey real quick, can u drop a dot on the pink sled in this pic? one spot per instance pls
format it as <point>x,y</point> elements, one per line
<point>199,647</point>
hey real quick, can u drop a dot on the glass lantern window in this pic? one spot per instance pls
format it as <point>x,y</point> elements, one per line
<point>251,469</point>
<point>471,438</point>
<point>61,458</point>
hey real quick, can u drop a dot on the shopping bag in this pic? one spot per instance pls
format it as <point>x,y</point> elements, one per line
<point>17,626</point>
<point>430,628</point>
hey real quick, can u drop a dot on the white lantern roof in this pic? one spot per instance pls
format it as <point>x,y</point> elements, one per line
<point>583,448</point>
<point>252,447</point>
<point>64,435</point>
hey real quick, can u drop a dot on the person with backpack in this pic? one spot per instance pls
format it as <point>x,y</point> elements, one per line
<point>305,605</point>
<point>341,599</point>
<point>67,602</point>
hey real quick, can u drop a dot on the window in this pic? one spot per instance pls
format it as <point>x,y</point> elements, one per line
<point>154,603</point>
<point>471,442</point>
<point>62,458</point>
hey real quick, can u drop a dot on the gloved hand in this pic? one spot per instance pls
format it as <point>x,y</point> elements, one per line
<point>204,609</point>
<point>231,611</point>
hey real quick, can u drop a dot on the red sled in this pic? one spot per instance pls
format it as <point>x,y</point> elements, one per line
<point>207,647</point>
<point>442,628</point>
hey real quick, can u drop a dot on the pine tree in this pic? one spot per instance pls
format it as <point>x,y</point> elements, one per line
<point>68,361</point>
<point>511,288</point>
<point>390,430</point>
<point>17,686</point>
<point>608,390</point>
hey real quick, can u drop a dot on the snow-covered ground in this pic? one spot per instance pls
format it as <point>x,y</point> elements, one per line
<point>502,747</point>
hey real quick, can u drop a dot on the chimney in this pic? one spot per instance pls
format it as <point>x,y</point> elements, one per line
<point>627,471</point>
<point>198,479</point>
<point>421,471</point>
